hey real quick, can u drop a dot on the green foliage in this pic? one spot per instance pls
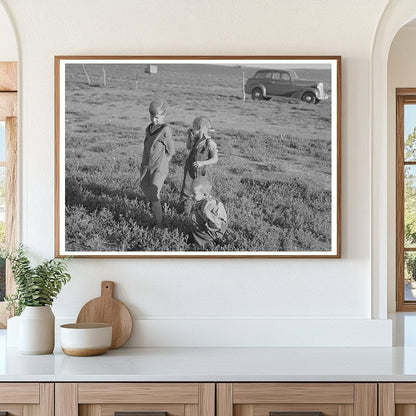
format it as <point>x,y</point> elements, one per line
<point>410,269</point>
<point>35,286</point>
<point>2,234</point>
<point>410,206</point>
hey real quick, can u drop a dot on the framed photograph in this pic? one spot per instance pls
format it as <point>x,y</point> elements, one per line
<point>202,156</point>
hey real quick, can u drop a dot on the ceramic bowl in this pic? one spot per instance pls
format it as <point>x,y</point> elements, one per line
<point>83,340</point>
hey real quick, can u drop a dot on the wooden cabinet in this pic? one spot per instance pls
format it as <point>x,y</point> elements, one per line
<point>397,399</point>
<point>208,399</point>
<point>262,399</point>
<point>106,399</point>
<point>27,399</point>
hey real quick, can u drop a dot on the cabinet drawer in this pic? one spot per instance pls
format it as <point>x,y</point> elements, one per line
<point>308,399</point>
<point>138,393</point>
<point>149,399</point>
<point>21,399</point>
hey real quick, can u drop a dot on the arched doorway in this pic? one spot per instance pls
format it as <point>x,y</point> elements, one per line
<point>396,15</point>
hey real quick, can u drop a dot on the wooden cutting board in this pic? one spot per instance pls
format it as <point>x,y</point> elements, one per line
<point>108,310</point>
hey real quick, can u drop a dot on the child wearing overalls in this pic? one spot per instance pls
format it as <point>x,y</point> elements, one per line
<point>208,217</point>
<point>203,154</point>
<point>157,153</point>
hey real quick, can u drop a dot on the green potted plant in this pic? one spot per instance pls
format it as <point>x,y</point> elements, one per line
<point>36,289</point>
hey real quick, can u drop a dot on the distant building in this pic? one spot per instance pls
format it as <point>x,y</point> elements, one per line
<point>151,69</point>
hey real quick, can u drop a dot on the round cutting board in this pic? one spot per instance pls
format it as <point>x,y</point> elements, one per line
<point>108,310</point>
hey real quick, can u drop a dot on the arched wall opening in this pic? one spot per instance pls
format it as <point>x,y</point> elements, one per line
<point>396,15</point>
<point>401,74</point>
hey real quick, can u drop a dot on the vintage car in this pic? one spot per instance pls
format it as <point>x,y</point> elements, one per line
<point>271,82</point>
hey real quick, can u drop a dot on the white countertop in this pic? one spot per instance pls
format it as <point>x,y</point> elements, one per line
<point>221,364</point>
<point>215,364</point>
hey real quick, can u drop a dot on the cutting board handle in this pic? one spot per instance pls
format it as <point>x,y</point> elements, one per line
<point>107,289</point>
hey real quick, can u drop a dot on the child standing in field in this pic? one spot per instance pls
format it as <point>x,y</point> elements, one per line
<point>208,216</point>
<point>157,153</point>
<point>203,154</point>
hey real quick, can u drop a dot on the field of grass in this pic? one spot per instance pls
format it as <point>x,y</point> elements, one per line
<point>273,174</point>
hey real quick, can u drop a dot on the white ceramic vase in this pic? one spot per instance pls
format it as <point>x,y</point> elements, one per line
<point>37,330</point>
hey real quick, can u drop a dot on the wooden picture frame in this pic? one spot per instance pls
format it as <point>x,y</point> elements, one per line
<point>272,142</point>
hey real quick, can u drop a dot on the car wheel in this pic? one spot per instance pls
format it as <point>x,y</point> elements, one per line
<point>257,94</point>
<point>309,97</point>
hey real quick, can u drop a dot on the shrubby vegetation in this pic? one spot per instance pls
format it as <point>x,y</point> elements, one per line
<point>274,181</point>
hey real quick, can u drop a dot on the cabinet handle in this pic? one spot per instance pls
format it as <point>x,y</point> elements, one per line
<point>295,414</point>
<point>138,414</point>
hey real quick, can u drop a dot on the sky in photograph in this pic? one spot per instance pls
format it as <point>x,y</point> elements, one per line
<point>409,119</point>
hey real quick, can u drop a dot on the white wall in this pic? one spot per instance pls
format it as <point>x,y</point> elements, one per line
<point>401,74</point>
<point>8,46</point>
<point>204,302</point>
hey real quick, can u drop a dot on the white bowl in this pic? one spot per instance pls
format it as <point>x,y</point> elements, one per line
<point>83,340</point>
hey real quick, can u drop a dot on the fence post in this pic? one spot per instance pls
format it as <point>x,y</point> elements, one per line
<point>244,91</point>
<point>86,74</point>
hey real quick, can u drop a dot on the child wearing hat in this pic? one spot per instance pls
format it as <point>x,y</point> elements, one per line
<point>203,154</point>
<point>208,216</point>
<point>157,153</point>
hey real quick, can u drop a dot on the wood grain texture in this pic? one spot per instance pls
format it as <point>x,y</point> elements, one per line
<point>111,311</point>
<point>207,399</point>
<point>386,399</point>
<point>8,76</point>
<point>31,410</point>
<point>8,105</point>
<point>25,393</point>
<point>405,393</point>
<point>66,399</point>
<point>90,410</point>
<point>400,304</point>
<point>110,409</point>
<point>264,409</point>
<point>365,399</point>
<point>47,399</point>
<point>190,410</point>
<point>404,96</point>
<point>13,409</point>
<point>340,393</point>
<point>346,410</point>
<point>405,91</point>
<point>224,399</point>
<point>11,196</point>
<point>246,410</point>
<point>138,393</point>
<point>405,410</point>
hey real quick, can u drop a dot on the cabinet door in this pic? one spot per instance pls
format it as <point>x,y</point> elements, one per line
<point>142,399</point>
<point>397,399</point>
<point>26,399</point>
<point>297,399</point>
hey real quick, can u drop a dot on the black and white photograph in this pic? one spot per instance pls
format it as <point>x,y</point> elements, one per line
<point>197,156</point>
